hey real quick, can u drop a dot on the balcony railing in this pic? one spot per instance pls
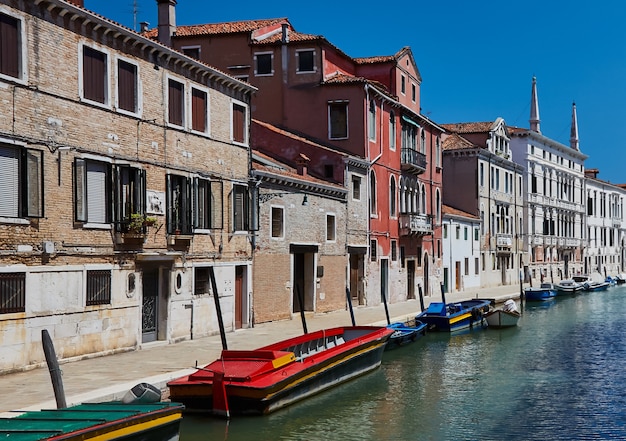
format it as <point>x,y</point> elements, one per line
<point>418,224</point>
<point>413,161</point>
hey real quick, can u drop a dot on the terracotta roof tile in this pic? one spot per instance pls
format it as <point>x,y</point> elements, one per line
<point>231,27</point>
<point>374,60</point>
<point>468,127</point>
<point>456,142</point>
<point>446,209</point>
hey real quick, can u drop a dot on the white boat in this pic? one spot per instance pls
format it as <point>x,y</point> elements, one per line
<point>504,317</point>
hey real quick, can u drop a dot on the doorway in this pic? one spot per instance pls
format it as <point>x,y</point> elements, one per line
<point>410,279</point>
<point>239,302</point>
<point>150,305</point>
<point>303,286</point>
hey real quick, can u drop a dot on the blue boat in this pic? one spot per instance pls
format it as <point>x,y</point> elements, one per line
<point>404,333</point>
<point>546,291</point>
<point>456,316</point>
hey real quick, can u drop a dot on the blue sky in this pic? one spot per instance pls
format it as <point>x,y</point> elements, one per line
<point>477,58</point>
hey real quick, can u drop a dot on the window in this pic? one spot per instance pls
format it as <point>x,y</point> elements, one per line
<point>466,265</point>
<point>199,113</point>
<point>445,231</point>
<point>392,197</point>
<point>476,266</point>
<point>356,188</point>
<point>458,232</point>
<point>371,126</point>
<point>394,250</point>
<point>263,64</point>
<point>192,51</point>
<point>208,204</point>
<point>403,84</point>
<point>240,208</point>
<point>277,222</point>
<point>423,141</point>
<point>11,48</point>
<point>476,234</point>
<point>306,60</point>
<point>465,233</point>
<point>373,250</point>
<point>330,228</point>
<point>329,171</point>
<point>12,292</point>
<point>392,131</point>
<point>92,191</point>
<point>127,87</point>
<point>239,127</point>
<point>413,92</point>
<point>98,287</point>
<point>21,182</point>
<point>178,203</point>
<point>338,120</point>
<point>201,280</point>
<point>95,75</point>
<point>373,208</point>
<point>130,195</point>
<point>176,103</point>
<point>438,152</point>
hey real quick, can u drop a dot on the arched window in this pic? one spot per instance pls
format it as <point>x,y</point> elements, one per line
<point>438,202</point>
<point>392,131</point>
<point>373,209</point>
<point>372,121</point>
<point>403,195</point>
<point>392,196</point>
<point>423,200</point>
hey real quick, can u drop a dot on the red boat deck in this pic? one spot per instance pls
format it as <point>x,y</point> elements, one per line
<point>244,365</point>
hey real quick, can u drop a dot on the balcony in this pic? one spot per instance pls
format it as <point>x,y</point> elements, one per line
<point>413,161</point>
<point>415,224</point>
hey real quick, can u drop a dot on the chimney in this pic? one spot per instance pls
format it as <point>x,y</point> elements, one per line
<point>285,33</point>
<point>302,164</point>
<point>143,26</point>
<point>167,21</point>
<point>534,109</point>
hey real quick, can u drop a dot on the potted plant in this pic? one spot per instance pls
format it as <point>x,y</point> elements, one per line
<point>138,221</point>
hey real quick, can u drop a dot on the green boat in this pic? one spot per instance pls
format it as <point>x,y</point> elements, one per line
<point>97,422</point>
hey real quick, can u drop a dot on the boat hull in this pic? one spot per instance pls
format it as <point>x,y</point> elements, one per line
<point>454,317</point>
<point>296,375</point>
<point>405,333</point>
<point>539,294</point>
<point>97,421</point>
<point>502,319</point>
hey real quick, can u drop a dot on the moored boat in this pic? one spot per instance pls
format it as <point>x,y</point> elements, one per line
<point>456,316</point>
<point>404,333</point>
<point>504,317</point>
<point>593,286</point>
<point>568,286</point>
<point>263,380</point>
<point>545,291</point>
<point>97,422</point>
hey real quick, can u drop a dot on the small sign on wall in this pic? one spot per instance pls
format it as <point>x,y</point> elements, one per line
<point>155,202</point>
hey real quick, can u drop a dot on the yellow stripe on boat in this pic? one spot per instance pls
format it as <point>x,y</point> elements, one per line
<point>460,317</point>
<point>135,428</point>
<point>283,360</point>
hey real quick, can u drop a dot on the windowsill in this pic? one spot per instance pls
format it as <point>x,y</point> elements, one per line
<point>15,221</point>
<point>95,226</point>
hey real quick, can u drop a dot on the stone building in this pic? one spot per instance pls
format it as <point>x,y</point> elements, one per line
<point>554,183</point>
<point>125,182</point>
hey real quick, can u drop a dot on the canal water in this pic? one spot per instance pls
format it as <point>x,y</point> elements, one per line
<point>559,375</point>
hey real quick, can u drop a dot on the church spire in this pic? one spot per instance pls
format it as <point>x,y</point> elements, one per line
<point>534,108</point>
<point>573,137</point>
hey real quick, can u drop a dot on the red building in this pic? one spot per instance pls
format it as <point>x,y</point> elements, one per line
<point>364,107</point>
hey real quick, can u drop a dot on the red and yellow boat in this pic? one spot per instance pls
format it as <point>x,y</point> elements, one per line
<point>263,380</point>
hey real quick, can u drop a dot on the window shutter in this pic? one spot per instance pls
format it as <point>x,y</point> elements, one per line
<point>239,113</point>
<point>96,192</point>
<point>9,181</point>
<point>217,205</point>
<point>94,75</point>
<point>198,110</point>
<point>33,182</point>
<point>127,86</point>
<point>9,46</point>
<point>80,191</point>
<point>175,103</point>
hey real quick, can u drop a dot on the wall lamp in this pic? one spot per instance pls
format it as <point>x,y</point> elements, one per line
<point>264,197</point>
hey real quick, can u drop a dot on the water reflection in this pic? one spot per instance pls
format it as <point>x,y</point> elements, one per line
<point>559,375</point>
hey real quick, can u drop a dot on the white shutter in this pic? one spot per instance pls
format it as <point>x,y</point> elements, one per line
<point>96,192</point>
<point>9,181</point>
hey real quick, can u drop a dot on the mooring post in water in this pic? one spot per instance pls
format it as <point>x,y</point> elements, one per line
<point>349,300</point>
<point>300,298</point>
<point>421,294</point>
<point>443,294</point>
<point>386,308</point>
<point>218,309</point>
<point>53,367</point>
<point>521,285</point>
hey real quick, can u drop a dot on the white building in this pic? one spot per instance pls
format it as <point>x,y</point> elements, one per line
<point>461,250</point>
<point>554,182</point>
<point>604,253</point>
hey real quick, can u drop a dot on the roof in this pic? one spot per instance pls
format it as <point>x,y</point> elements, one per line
<point>455,141</point>
<point>469,127</point>
<point>451,211</point>
<point>232,27</point>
